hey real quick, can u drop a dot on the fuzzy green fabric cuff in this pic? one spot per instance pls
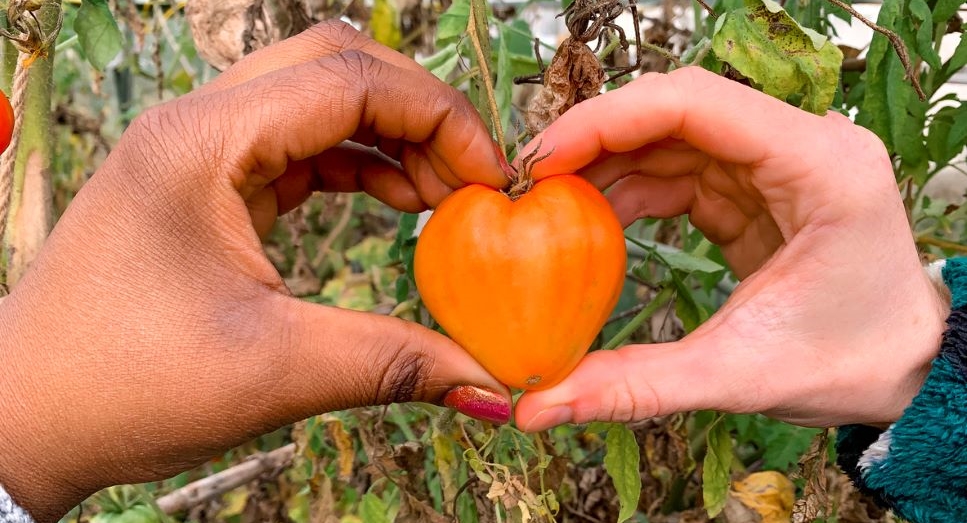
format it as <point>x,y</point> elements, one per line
<point>918,467</point>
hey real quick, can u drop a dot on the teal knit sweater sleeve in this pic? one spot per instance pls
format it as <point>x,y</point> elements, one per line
<point>918,466</point>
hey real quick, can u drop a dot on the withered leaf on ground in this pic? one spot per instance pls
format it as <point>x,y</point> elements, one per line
<point>812,467</point>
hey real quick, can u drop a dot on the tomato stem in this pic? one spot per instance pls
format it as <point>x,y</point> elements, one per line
<point>661,299</point>
<point>522,180</point>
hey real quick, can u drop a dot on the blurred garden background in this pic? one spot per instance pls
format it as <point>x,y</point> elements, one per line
<point>112,59</point>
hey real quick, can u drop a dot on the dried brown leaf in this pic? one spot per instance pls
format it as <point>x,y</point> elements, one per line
<point>226,30</point>
<point>575,75</point>
<point>812,467</point>
<point>414,510</point>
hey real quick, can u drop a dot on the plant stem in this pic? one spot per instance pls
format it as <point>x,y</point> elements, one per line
<point>708,8</point>
<point>664,53</point>
<point>943,244</point>
<point>519,32</point>
<point>66,43</point>
<point>898,45</point>
<point>211,487</point>
<point>483,61</point>
<point>397,417</point>
<point>612,45</point>
<point>8,66</point>
<point>660,300</point>
<point>30,215</point>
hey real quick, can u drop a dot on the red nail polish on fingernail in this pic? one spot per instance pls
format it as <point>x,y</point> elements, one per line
<point>502,160</point>
<point>483,404</point>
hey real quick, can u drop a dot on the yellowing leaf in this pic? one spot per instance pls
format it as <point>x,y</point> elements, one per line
<point>717,467</point>
<point>446,463</point>
<point>347,452</point>
<point>233,503</point>
<point>385,24</point>
<point>349,291</point>
<point>783,59</point>
<point>769,493</point>
<point>371,252</point>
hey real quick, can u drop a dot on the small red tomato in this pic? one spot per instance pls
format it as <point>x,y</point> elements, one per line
<point>6,122</point>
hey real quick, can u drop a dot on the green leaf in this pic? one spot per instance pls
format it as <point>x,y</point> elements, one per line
<point>597,427</point>
<point>141,513</point>
<point>957,139</point>
<point>372,509</point>
<point>443,62</point>
<point>780,57</point>
<point>924,34</point>
<point>520,40</point>
<point>956,61</point>
<point>97,33</point>
<point>890,106</point>
<point>404,232</point>
<point>716,469</point>
<point>688,310</point>
<point>674,258</point>
<point>453,22</point>
<point>621,461</point>
<point>784,445</point>
<point>947,134</point>
<point>944,10</point>
<point>689,263</point>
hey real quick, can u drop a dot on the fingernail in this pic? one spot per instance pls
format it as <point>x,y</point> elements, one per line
<point>479,403</point>
<point>551,417</point>
<point>502,160</point>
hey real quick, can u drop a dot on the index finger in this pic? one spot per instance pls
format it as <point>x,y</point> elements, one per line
<point>357,94</point>
<point>323,39</point>
<point>724,119</point>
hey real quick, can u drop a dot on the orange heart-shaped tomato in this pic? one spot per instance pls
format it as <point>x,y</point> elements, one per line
<point>523,285</point>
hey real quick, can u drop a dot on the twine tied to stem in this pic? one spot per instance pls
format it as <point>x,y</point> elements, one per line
<point>32,42</point>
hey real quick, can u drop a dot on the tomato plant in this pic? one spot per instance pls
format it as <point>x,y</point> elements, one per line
<point>420,463</point>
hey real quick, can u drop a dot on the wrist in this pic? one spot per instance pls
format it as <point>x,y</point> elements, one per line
<point>917,466</point>
<point>33,458</point>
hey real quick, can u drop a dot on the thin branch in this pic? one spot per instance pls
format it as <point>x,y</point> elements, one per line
<point>665,53</point>
<point>207,489</point>
<point>898,45</point>
<point>943,244</point>
<point>337,230</point>
<point>483,61</point>
<point>711,12</point>
<point>650,309</point>
<point>626,313</point>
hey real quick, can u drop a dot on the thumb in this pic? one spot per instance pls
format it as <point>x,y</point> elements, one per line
<point>341,359</point>
<point>633,383</point>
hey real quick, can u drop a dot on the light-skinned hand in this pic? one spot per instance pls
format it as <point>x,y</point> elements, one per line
<point>834,320</point>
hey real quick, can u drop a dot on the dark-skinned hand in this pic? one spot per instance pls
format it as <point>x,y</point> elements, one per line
<point>152,332</point>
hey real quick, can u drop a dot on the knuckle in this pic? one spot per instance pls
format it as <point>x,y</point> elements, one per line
<point>147,142</point>
<point>336,33</point>
<point>359,63</point>
<point>688,77</point>
<point>407,371</point>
